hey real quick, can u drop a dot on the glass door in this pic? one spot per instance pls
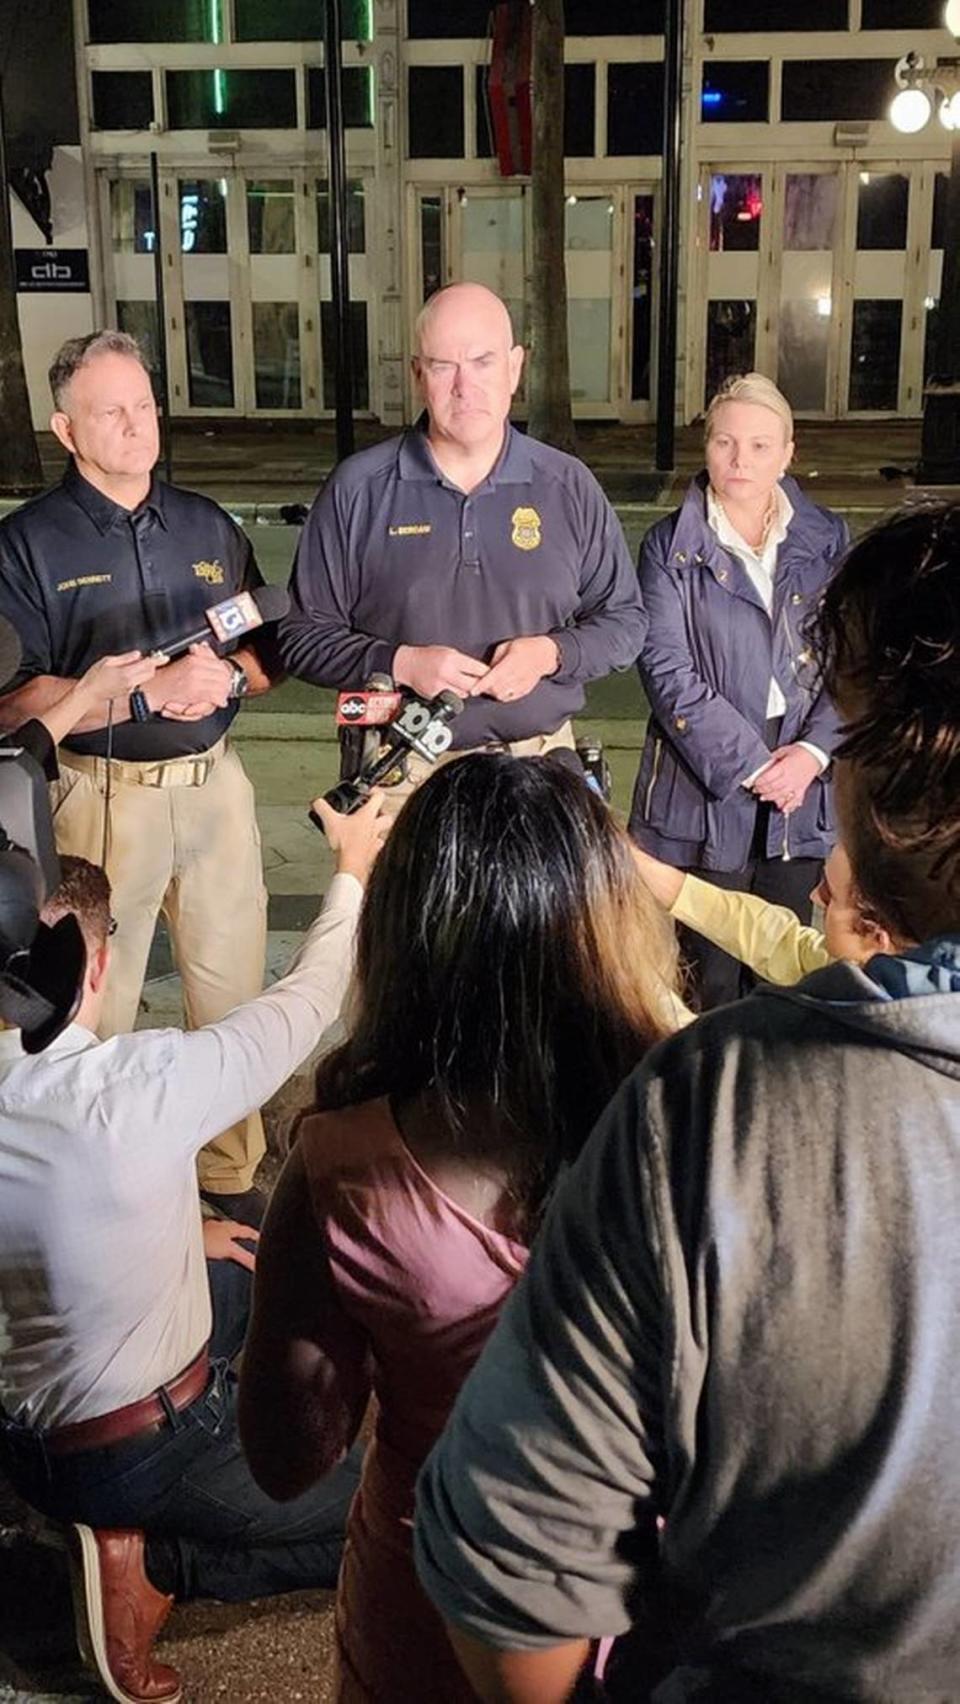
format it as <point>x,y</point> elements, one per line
<point>810,209</point>
<point>593,235</point>
<point>641,313</point>
<point>127,219</point>
<point>871,383</point>
<point>733,215</point>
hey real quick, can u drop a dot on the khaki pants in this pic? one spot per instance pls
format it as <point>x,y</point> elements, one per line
<point>192,852</point>
<point>394,798</point>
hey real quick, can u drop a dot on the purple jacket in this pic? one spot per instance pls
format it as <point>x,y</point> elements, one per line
<point>706,666</point>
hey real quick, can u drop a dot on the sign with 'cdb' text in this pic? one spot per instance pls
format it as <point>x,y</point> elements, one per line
<point>52,269</point>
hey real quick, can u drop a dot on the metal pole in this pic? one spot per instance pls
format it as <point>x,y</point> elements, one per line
<point>339,257</point>
<point>161,320</point>
<point>669,237</point>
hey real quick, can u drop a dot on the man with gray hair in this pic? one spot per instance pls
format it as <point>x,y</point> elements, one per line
<point>111,560</point>
<point>466,557</point>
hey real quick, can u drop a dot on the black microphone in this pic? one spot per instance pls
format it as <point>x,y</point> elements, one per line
<point>228,622</point>
<point>421,727</point>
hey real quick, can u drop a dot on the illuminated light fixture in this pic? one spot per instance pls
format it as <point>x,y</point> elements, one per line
<point>571,201</point>
<point>824,306</point>
<point>955,110</point>
<point>711,98</point>
<point>945,115</point>
<point>864,177</point>
<point>909,111</point>
<point>951,17</point>
<point>929,302</point>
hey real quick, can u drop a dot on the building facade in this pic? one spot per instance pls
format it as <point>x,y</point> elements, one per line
<point>811,236</point>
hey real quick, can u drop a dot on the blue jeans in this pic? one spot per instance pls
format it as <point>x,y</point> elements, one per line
<point>211,1531</point>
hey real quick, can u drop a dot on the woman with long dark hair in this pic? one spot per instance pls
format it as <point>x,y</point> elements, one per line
<point>512,968</point>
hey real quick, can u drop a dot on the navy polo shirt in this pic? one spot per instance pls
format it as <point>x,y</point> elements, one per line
<point>82,578</point>
<point>393,553</point>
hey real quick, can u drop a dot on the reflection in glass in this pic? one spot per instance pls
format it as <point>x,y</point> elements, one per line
<point>882,210</point>
<point>271,217</point>
<point>358,344</point>
<point>232,100</point>
<point>875,355</point>
<point>276,354</point>
<point>356,218</point>
<point>209,354</point>
<point>642,296</point>
<point>736,209</point>
<point>131,217</point>
<point>589,222</point>
<point>804,334</point>
<point>431,243</point>
<point>588,321</point>
<point>731,337</point>
<point>810,210</point>
<point>203,216</point>
<point>139,320</point>
<point>735,91</point>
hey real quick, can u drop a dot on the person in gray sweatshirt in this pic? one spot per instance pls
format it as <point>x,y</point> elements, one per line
<point>718,1419</point>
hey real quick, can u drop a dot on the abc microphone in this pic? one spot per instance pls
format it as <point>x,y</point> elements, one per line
<point>226,623</point>
<point>360,718</point>
<point>421,727</point>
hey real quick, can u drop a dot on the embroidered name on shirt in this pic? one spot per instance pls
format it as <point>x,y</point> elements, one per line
<point>209,571</point>
<point>84,580</point>
<point>419,529</point>
<point>526,529</point>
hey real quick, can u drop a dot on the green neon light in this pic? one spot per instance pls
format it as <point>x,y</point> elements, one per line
<point>368,21</point>
<point>219,84</point>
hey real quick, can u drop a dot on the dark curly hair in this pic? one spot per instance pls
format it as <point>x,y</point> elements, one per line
<point>887,638</point>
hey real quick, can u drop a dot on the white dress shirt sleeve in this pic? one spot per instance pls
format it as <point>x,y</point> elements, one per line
<point>227,1069</point>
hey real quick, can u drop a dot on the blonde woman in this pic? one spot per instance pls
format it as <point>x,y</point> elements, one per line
<point>733,780</point>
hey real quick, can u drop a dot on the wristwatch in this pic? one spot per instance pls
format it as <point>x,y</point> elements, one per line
<point>140,710</point>
<point>241,681</point>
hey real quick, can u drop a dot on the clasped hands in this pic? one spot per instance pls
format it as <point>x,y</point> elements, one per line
<point>516,667</point>
<point>783,781</point>
<point>187,690</point>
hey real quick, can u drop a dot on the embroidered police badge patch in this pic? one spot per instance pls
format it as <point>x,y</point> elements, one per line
<point>526,529</point>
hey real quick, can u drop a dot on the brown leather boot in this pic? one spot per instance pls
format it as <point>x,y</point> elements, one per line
<point>118,1615</point>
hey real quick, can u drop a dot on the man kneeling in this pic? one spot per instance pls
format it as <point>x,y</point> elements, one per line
<point>118,1401</point>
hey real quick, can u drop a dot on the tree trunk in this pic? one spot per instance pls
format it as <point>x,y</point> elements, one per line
<point>20,470</point>
<point>548,374</point>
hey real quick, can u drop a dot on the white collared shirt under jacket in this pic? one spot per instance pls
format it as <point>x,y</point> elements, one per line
<point>103,1282</point>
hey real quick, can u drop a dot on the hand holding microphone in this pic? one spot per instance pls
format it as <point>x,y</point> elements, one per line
<point>199,681</point>
<point>412,726</point>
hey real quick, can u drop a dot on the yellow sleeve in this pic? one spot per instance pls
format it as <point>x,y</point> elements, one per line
<point>769,939</point>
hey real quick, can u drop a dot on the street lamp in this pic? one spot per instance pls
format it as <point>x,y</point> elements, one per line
<point>922,87</point>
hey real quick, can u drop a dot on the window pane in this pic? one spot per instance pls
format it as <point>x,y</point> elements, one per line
<point>357,85</point>
<point>804,332</point>
<point>435,109</point>
<point>821,89</point>
<point>156,20</point>
<point>579,110</point>
<point>634,108</point>
<point>431,243</point>
<point>902,14</point>
<point>232,100</point>
<point>358,343</point>
<point>454,19</point>
<point>615,17</point>
<point>810,210</point>
<point>131,217</point>
<point>875,354</point>
<point>733,15</point>
<point>642,296</point>
<point>271,217</point>
<point>930,331</point>
<point>588,322</point>
<point>139,320</point>
<point>209,355</point>
<point>276,354</point>
<point>882,210</point>
<point>731,335</point>
<point>122,100</point>
<point>484,135</point>
<point>735,91</point>
<point>588,223</point>
<point>300,20</point>
<point>736,210</point>
<point>203,216</point>
<point>356,220</point>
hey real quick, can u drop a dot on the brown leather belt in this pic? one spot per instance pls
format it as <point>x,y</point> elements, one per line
<point>144,1416</point>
